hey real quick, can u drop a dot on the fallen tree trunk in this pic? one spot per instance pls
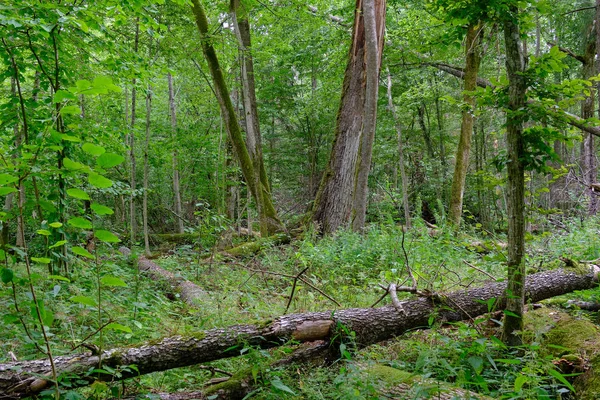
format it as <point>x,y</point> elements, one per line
<point>188,291</point>
<point>371,325</point>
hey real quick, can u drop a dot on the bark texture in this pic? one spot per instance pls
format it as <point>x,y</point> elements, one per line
<point>333,204</point>
<point>372,67</point>
<point>230,120</point>
<point>371,325</point>
<point>473,57</point>
<point>515,291</point>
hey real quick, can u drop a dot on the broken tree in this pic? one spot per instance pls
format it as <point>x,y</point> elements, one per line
<point>371,325</point>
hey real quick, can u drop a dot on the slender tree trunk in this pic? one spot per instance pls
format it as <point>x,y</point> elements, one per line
<point>588,150</point>
<point>372,67</point>
<point>334,200</point>
<point>403,176</point>
<point>176,185</point>
<point>473,57</point>
<point>260,193</point>
<point>146,144</point>
<point>132,219</point>
<point>515,291</point>
<point>426,133</point>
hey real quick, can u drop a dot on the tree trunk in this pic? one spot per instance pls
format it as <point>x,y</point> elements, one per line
<point>146,144</point>
<point>372,67</point>
<point>132,222</point>
<point>515,291</point>
<point>260,193</point>
<point>371,325</point>
<point>333,203</point>
<point>176,185</point>
<point>473,57</point>
<point>426,133</point>
<point>403,176</point>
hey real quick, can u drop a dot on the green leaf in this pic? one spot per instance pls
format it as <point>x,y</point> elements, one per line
<point>58,244</point>
<point>6,190</point>
<point>44,232</point>
<point>106,236</point>
<point>118,327</point>
<point>80,251</point>
<point>99,181</point>
<point>55,224</point>
<point>93,149</point>
<point>58,278</point>
<point>70,110</point>
<point>88,301</point>
<point>61,95</point>
<point>561,379</point>
<point>80,222</point>
<point>6,275</point>
<point>72,165</point>
<point>41,260</point>
<point>109,280</point>
<point>511,314</point>
<point>102,210</point>
<point>6,179</point>
<point>78,194</point>
<point>70,138</point>
<point>109,160</point>
<point>277,384</point>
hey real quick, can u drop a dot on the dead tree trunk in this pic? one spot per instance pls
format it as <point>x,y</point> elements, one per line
<point>188,291</point>
<point>371,325</point>
<point>332,207</point>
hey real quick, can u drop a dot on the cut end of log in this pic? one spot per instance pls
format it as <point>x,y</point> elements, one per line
<point>309,331</point>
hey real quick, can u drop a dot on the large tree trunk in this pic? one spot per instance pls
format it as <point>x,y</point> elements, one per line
<point>333,204</point>
<point>515,291</point>
<point>403,176</point>
<point>371,325</point>
<point>473,57</point>
<point>372,68</point>
<point>176,185</point>
<point>260,193</point>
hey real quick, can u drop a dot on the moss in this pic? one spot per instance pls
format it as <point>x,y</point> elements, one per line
<point>236,384</point>
<point>572,335</point>
<point>388,375</point>
<point>198,335</point>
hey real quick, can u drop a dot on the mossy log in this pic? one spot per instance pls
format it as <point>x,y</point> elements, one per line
<point>189,292</point>
<point>370,325</point>
<point>251,248</point>
<point>398,384</point>
<point>575,345</point>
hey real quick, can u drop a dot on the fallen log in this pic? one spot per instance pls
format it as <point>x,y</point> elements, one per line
<point>189,292</point>
<point>371,325</point>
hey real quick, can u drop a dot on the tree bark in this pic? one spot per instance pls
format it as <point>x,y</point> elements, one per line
<point>403,176</point>
<point>515,291</point>
<point>473,59</point>
<point>333,204</point>
<point>176,185</point>
<point>259,193</point>
<point>372,67</point>
<point>371,325</point>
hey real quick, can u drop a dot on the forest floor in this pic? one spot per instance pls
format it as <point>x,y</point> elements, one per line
<point>349,268</point>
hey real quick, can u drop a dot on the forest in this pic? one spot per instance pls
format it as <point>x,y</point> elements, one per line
<point>267,199</point>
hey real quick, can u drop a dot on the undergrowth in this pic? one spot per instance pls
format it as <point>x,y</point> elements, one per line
<point>349,268</point>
